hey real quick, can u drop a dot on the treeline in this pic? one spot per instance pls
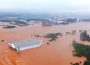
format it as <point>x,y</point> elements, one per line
<point>52,36</point>
<point>82,50</point>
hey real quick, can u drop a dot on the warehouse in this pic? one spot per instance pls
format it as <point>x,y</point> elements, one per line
<point>25,44</point>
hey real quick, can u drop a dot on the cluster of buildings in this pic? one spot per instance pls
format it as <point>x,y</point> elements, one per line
<point>45,21</point>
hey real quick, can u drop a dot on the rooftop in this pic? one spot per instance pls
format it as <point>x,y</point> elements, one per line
<point>25,43</point>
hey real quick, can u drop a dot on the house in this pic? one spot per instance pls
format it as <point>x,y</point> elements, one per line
<point>25,44</point>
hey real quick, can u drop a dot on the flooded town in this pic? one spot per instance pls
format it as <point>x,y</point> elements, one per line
<point>44,32</point>
<point>57,42</point>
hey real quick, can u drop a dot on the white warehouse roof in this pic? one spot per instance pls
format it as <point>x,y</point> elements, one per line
<point>25,44</point>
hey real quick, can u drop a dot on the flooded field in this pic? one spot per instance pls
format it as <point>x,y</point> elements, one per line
<point>58,52</point>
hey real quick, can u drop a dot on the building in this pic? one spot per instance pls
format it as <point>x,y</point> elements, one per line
<point>84,36</point>
<point>46,23</point>
<point>25,44</point>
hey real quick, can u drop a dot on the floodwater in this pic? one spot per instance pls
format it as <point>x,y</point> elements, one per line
<point>58,52</point>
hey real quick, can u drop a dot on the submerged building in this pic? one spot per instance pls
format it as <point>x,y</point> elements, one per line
<point>84,36</point>
<point>25,44</point>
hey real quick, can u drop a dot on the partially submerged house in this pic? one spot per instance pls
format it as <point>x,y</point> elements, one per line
<point>25,44</point>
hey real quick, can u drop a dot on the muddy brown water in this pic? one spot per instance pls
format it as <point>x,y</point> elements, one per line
<point>58,52</point>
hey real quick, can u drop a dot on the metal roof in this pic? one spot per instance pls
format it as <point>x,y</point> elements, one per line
<point>26,43</point>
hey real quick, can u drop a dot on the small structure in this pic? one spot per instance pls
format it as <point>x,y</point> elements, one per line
<point>25,44</point>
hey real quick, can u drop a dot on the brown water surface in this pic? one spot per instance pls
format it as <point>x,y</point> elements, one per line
<point>57,53</point>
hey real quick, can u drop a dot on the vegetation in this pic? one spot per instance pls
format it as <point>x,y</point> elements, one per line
<point>75,64</point>
<point>82,50</point>
<point>87,62</point>
<point>53,36</point>
<point>9,27</point>
<point>21,23</point>
<point>2,40</point>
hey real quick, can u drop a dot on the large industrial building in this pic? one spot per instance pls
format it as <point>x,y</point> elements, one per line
<point>25,44</point>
